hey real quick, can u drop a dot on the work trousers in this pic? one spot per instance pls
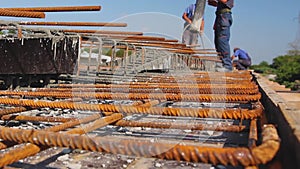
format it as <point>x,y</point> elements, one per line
<point>242,64</point>
<point>222,26</point>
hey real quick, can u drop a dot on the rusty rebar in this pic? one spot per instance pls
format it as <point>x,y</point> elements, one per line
<point>150,103</point>
<point>96,24</point>
<point>122,37</point>
<point>143,96</point>
<point>57,9</point>
<point>147,85</point>
<point>253,134</point>
<point>73,123</point>
<point>155,90</point>
<point>35,118</point>
<point>137,147</point>
<point>5,12</point>
<point>97,124</point>
<point>12,110</point>
<point>187,112</point>
<point>105,32</point>
<point>183,126</point>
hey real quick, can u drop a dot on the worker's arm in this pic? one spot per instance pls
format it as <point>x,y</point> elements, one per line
<point>223,1</point>
<point>202,26</point>
<point>233,57</point>
<point>185,17</point>
<point>215,2</point>
<point>212,2</point>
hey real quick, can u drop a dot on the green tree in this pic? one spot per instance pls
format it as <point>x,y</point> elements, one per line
<point>262,67</point>
<point>287,69</point>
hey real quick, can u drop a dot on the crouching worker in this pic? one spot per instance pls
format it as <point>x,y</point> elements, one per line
<point>241,60</point>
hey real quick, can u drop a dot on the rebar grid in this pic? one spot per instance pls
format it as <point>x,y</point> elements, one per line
<point>233,156</point>
<point>188,112</point>
<point>32,149</point>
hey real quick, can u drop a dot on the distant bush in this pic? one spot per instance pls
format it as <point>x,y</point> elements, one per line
<point>286,68</point>
<point>263,68</point>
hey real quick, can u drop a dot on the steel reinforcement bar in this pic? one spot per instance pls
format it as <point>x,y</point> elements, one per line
<point>137,147</point>
<point>4,12</point>
<point>105,32</point>
<point>183,126</point>
<point>154,90</point>
<point>145,85</point>
<point>202,81</point>
<point>57,9</point>
<point>12,110</point>
<point>196,75</point>
<point>143,96</point>
<point>97,124</point>
<point>106,24</point>
<point>187,112</point>
<point>35,118</point>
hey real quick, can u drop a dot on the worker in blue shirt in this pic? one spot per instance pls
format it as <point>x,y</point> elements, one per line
<point>241,59</point>
<point>223,22</point>
<point>190,37</point>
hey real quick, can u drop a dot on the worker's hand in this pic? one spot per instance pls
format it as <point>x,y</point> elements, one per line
<point>213,2</point>
<point>194,28</point>
<point>201,32</point>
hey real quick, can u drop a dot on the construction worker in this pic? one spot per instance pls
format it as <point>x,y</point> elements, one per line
<point>190,37</point>
<point>223,22</point>
<point>241,59</point>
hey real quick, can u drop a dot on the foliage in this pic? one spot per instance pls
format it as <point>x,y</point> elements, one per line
<point>263,67</point>
<point>120,53</point>
<point>286,68</point>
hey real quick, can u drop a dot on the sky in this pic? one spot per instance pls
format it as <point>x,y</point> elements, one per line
<point>264,28</point>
